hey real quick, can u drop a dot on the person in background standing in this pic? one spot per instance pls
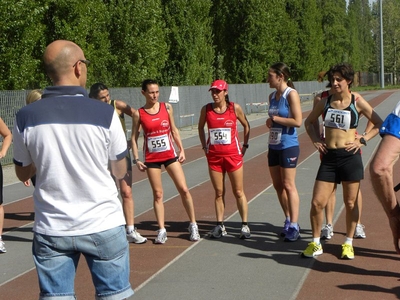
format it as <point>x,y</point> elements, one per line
<point>284,117</point>
<point>157,122</point>
<point>7,139</point>
<point>33,96</point>
<point>100,92</point>
<point>224,153</point>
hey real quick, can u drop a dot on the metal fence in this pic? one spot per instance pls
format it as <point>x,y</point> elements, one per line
<point>252,98</point>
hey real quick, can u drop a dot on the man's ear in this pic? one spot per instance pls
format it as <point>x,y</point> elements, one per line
<point>78,69</point>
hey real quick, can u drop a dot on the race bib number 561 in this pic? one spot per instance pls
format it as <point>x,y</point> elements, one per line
<point>337,118</point>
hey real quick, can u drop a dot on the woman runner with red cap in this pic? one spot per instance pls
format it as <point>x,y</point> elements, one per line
<point>224,152</point>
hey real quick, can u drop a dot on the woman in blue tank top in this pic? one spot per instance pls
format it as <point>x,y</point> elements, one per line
<point>284,117</point>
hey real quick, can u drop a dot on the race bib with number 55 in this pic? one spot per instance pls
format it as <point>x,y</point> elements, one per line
<point>158,143</point>
<point>220,136</point>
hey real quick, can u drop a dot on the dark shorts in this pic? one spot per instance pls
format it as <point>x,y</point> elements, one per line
<point>340,165</point>
<point>128,163</point>
<point>286,158</point>
<point>1,184</point>
<point>157,165</point>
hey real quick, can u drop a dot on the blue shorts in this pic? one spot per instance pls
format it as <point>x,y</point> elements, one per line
<point>286,158</point>
<point>391,126</point>
<point>106,253</point>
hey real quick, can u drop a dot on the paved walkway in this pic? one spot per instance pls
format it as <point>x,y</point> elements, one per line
<point>263,267</point>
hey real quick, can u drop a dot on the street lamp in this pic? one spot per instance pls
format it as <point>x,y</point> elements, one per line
<point>382,67</point>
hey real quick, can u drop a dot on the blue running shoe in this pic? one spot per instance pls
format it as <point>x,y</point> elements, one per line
<point>285,228</point>
<point>293,234</point>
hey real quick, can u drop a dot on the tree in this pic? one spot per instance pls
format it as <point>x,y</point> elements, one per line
<point>247,39</point>
<point>183,42</point>
<point>21,44</point>
<point>138,41</point>
<point>309,38</point>
<point>361,47</point>
<point>335,30</point>
<point>191,53</point>
<point>391,34</point>
<point>87,25</point>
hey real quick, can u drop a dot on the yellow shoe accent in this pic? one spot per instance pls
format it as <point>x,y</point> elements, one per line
<point>347,251</point>
<point>312,250</point>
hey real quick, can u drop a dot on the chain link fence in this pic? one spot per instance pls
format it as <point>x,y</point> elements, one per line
<point>253,98</point>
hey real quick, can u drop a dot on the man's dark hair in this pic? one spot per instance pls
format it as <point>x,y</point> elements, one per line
<point>96,88</point>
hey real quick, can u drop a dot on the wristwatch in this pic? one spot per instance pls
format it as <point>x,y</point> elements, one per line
<point>363,141</point>
<point>135,160</point>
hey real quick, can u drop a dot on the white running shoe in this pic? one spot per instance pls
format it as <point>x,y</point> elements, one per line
<point>327,232</point>
<point>245,232</point>
<point>218,232</point>
<point>359,233</point>
<point>2,247</point>
<point>194,232</point>
<point>135,237</point>
<point>161,236</point>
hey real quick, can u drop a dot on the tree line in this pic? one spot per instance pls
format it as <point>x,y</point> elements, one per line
<point>186,42</point>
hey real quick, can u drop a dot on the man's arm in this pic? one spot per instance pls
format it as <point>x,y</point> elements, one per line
<point>25,173</point>
<point>119,168</point>
<point>21,156</point>
<point>117,149</point>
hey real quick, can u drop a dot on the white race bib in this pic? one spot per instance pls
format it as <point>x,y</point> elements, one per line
<point>220,136</point>
<point>158,143</point>
<point>275,135</point>
<point>337,118</point>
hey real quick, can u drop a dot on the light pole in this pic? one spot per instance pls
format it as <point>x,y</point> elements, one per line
<point>382,67</point>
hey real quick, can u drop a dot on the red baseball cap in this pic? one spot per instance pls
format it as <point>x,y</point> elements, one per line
<point>219,84</point>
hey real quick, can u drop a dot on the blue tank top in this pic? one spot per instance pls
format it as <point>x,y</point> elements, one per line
<point>281,137</point>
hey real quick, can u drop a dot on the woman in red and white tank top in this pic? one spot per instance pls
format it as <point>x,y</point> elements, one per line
<point>157,121</point>
<point>158,145</point>
<point>224,152</point>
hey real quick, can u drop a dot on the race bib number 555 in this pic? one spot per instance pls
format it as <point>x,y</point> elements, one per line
<point>158,143</point>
